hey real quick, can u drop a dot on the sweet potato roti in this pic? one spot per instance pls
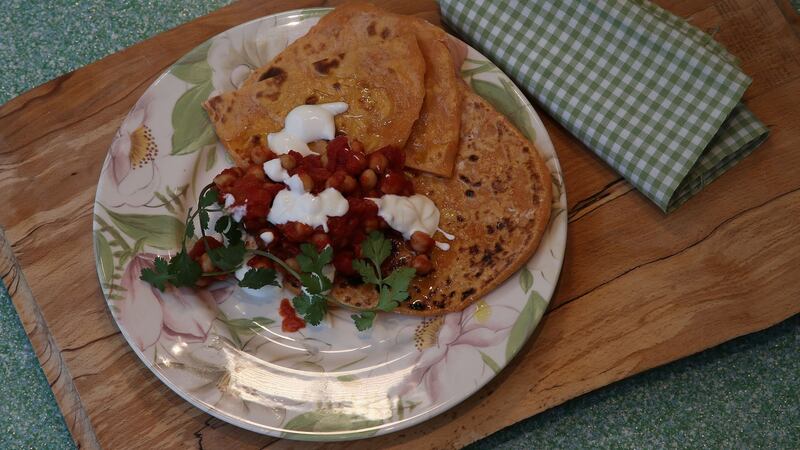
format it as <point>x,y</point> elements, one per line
<point>433,142</point>
<point>399,76</point>
<point>382,84</point>
<point>497,205</point>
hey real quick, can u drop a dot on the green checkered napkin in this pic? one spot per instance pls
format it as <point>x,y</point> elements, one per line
<point>655,98</point>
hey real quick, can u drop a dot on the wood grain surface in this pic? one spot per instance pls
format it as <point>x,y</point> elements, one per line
<point>639,289</point>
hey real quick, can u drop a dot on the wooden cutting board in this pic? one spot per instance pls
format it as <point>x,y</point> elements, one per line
<point>638,289</point>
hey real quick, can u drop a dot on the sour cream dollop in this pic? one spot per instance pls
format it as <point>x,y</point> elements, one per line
<point>304,124</point>
<point>297,205</point>
<point>408,214</point>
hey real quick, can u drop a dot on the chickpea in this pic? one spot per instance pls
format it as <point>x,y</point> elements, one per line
<point>356,146</point>
<point>293,264</point>
<point>308,182</point>
<point>320,240</point>
<point>297,231</point>
<point>260,155</point>
<point>206,264</point>
<point>393,183</point>
<point>318,147</point>
<point>355,163</point>
<point>250,242</point>
<point>256,171</point>
<point>368,179</point>
<point>336,180</point>
<point>349,184</point>
<point>422,264</point>
<point>323,159</point>
<point>378,162</point>
<point>421,242</point>
<point>288,162</point>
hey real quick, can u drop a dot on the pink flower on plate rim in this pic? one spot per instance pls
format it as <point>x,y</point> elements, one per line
<point>131,166</point>
<point>450,347</point>
<point>148,314</point>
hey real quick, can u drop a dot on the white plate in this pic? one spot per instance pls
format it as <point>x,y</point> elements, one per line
<point>224,351</point>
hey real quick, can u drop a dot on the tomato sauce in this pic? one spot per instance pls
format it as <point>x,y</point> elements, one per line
<point>291,322</point>
<point>345,167</point>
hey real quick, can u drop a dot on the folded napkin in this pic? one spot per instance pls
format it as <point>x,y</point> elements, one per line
<point>654,97</point>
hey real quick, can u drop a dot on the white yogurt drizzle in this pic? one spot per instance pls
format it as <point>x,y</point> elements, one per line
<point>304,124</point>
<point>297,205</point>
<point>237,212</point>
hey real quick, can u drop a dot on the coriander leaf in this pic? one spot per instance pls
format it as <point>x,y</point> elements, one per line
<point>364,320</point>
<point>189,232</point>
<point>222,224</point>
<point>315,283</point>
<point>398,281</point>
<point>208,198</point>
<point>204,219</point>
<point>258,278</point>
<point>385,301</point>
<point>227,258</point>
<point>376,247</point>
<point>311,307</point>
<point>366,271</point>
<point>159,275</point>
<point>312,261</point>
<point>184,270</point>
<point>230,229</point>
<point>234,234</point>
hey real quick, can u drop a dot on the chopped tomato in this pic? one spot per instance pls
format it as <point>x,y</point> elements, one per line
<point>291,322</point>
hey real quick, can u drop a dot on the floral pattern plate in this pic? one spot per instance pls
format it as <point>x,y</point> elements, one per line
<point>223,350</point>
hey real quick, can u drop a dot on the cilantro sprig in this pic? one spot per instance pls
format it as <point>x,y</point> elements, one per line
<point>392,289</point>
<point>181,270</point>
<point>311,303</point>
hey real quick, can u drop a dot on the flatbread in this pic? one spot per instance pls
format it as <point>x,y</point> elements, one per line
<point>433,143</point>
<point>497,205</point>
<point>381,83</point>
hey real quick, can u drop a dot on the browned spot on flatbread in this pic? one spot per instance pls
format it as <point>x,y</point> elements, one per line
<point>324,66</point>
<point>371,29</point>
<point>273,72</point>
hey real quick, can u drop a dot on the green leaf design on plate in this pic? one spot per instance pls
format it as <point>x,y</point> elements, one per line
<point>347,378</point>
<point>490,362</point>
<point>504,98</point>
<point>252,325</point>
<point>485,66</point>
<point>332,421</point>
<point>525,323</point>
<point>159,231</point>
<point>194,73</point>
<point>105,260</point>
<point>211,158</point>
<point>191,128</point>
<point>525,279</point>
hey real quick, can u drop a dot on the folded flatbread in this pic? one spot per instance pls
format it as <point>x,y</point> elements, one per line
<point>382,83</point>
<point>433,142</point>
<point>497,205</point>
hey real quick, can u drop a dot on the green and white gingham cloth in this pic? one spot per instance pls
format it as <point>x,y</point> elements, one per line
<point>654,97</point>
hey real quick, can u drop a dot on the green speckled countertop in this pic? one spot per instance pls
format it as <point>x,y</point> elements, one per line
<point>742,394</point>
